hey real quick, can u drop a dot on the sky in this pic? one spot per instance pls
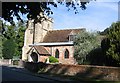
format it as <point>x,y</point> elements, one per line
<point>97,17</point>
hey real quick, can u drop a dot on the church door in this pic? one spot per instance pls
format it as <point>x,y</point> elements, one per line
<point>34,57</point>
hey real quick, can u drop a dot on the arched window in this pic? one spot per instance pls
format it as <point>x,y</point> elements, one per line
<point>57,53</point>
<point>66,54</point>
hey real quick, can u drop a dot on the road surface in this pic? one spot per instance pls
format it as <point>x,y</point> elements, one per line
<point>15,74</point>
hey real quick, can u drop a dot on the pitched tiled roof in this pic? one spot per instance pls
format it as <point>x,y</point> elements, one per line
<point>59,35</point>
<point>41,50</point>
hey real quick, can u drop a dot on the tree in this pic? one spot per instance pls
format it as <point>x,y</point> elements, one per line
<point>114,48</point>
<point>33,9</point>
<point>84,43</point>
<point>1,38</point>
<point>20,38</point>
<point>9,48</point>
<point>12,40</point>
<point>8,43</point>
<point>1,47</point>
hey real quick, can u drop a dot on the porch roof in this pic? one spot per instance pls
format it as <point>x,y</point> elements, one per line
<point>40,50</point>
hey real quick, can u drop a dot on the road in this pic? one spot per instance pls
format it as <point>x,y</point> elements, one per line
<point>15,74</point>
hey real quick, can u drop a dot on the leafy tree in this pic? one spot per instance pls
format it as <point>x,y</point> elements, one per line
<point>9,45</point>
<point>104,32</point>
<point>13,38</point>
<point>1,38</point>
<point>84,43</point>
<point>20,38</point>
<point>33,9</point>
<point>9,48</point>
<point>1,47</point>
<point>114,43</point>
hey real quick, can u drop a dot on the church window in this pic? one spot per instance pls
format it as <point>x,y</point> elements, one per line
<point>57,53</point>
<point>66,54</point>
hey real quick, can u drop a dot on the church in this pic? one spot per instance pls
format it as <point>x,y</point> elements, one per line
<point>41,41</point>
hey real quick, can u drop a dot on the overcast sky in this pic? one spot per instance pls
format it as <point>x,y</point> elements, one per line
<point>98,16</point>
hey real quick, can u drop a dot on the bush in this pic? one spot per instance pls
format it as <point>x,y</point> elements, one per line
<point>53,59</point>
<point>15,62</point>
<point>96,57</point>
<point>84,43</point>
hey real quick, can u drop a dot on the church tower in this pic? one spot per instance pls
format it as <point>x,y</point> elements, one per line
<point>41,28</point>
<point>35,32</point>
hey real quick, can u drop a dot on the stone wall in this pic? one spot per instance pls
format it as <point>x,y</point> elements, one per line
<point>82,71</point>
<point>5,61</point>
<point>85,71</point>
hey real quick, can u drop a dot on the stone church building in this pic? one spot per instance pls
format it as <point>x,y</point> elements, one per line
<point>41,41</point>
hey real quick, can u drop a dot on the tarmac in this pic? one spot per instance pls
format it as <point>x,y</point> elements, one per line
<point>23,70</point>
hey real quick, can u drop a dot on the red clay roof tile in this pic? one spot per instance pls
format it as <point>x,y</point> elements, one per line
<point>60,35</point>
<point>41,50</point>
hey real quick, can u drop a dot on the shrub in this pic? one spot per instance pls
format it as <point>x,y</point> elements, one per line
<point>53,59</point>
<point>15,62</point>
<point>84,43</point>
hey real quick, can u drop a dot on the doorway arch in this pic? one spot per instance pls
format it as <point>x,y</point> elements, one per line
<point>34,57</point>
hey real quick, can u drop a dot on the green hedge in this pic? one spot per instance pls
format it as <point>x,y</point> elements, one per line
<point>53,59</point>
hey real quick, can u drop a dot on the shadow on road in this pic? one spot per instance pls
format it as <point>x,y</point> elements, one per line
<point>18,74</point>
